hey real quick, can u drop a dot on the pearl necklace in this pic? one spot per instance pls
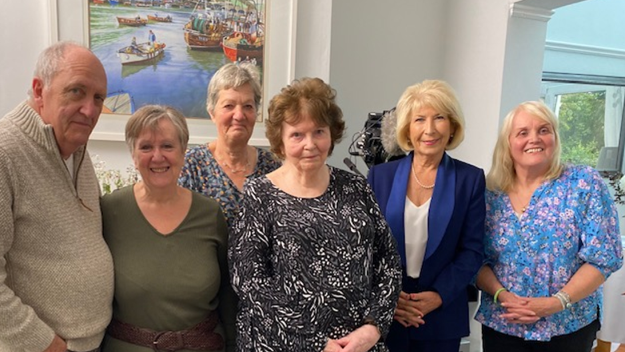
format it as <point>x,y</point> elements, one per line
<point>414,174</point>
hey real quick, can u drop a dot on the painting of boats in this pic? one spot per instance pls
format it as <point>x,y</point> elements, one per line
<point>140,53</point>
<point>133,22</point>
<point>176,74</point>
<point>158,18</point>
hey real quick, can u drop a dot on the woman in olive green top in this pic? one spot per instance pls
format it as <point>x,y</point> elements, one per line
<point>172,291</point>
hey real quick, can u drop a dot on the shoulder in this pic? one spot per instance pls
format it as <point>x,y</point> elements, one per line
<point>343,174</point>
<point>257,185</point>
<point>197,152</point>
<point>583,178</point>
<point>118,195</point>
<point>204,202</point>
<point>464,168</point>
<point>267,160</point>
<point>348,180</point>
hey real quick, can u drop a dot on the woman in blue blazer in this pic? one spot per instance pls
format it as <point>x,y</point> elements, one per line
<point>435,207</point>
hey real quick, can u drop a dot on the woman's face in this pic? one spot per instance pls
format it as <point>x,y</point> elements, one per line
<point>234,113</point>
<point>158,155</point>
<point>306,145</point>
<point>532,142</point>
<point>430,132</point>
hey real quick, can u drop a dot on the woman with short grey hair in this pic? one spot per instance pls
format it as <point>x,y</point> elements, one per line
<point>218,169</point>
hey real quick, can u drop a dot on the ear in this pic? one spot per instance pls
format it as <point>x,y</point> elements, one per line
<point>37,88</point>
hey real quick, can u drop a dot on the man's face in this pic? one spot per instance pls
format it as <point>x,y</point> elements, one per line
<point>73,100</point>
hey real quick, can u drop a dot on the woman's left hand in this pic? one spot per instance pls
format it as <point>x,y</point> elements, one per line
<point>361,339</point>
<point>533,309</point>
<point>427,301</point>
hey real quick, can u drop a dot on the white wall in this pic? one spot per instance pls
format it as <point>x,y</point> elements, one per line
<point>587,38</point>
<point>19,52</point>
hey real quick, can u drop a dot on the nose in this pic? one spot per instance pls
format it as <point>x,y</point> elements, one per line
<point>238,113</point>
<point>429,126</point>
<point>309,142</point>
<point>157,155</point>
<point>91,109</point>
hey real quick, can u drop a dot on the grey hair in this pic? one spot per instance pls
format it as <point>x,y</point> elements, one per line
<point>148,117</point>
<point>233,76</point>
<point>49,60</point>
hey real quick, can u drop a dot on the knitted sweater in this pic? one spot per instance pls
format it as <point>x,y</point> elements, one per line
<point>56,272</point>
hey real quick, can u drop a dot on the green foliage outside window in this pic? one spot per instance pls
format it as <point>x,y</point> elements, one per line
<point>581,118</point>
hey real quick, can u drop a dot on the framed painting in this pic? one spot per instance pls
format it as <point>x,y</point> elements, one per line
<point>166,51</point>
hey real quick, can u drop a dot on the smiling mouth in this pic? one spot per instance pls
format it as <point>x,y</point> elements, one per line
<point>533,150</point>
<point>430,142</point>
<point>159,169</point>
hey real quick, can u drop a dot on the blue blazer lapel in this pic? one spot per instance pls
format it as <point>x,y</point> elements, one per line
<point>442,205</point>
<point>396,203</point>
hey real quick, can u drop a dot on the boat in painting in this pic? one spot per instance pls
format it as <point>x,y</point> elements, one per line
<point>140,53</point>
<point>119,102</point>
<point>206,27</point>
<point>158,18</point>
<point>244,47</point>
<point>248,39</point>
<point>133,22</point>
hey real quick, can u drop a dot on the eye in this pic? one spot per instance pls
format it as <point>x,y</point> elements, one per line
<point>440,117</point>
<point>320,131</point>
<point>419,119</point>
<point>522,133</point>
<point>145,147</point>
<point>545,130</point>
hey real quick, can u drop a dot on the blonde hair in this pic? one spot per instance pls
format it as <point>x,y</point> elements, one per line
<point>502,174</point>
<point>437,95</point>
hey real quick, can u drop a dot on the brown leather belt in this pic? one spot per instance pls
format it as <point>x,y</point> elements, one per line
<point>201,337</point>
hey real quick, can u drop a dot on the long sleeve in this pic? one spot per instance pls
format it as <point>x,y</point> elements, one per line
<point>387,273</point>
<point>600,235</point>
<point>459,273</point>
<point>20,327</point>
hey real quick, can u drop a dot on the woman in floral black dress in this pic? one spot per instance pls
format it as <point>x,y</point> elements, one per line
<point>311,257</point>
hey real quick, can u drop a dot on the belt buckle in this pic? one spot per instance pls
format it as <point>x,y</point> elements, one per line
<point>166,338</point>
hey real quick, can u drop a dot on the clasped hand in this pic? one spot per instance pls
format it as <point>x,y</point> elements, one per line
<point>527,310</point>
<point>413,307</point>
<point>359,340</point>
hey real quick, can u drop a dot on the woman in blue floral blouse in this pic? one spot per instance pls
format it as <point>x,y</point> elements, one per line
<point>552,238</point>
<point>220,168</point>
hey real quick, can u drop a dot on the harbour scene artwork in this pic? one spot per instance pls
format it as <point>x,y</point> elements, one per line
<point>166,51</point>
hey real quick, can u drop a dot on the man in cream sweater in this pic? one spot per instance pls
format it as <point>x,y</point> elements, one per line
<point>56,272</point>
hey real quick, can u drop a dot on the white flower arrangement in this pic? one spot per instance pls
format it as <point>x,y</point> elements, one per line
<point>111,180</point>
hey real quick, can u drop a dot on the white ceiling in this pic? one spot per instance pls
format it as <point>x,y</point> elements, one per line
<point>547,4</point>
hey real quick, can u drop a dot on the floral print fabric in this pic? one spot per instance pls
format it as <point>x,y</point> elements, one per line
<point>568,222</point>
<point>309,269</point>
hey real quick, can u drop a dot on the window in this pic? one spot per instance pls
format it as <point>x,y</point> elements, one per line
<point>590,114</point>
